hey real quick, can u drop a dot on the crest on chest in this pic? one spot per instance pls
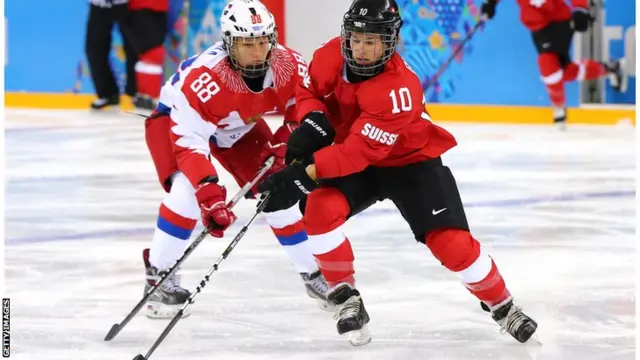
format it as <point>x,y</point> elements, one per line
<point>253,118</point>
<point>256,107</point>
<point>237,119</point>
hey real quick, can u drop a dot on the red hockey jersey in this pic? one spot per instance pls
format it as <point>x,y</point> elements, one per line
<point>209,101</point>
<point>155,5</point>
<point>538,14</point>
<point>382,121</point>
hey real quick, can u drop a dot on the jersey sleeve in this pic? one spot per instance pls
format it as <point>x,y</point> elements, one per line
<point>193,124</point>
<point>314,86</point>
<point>291,114</point>
<point>580,4</point>
<point>385,111</point>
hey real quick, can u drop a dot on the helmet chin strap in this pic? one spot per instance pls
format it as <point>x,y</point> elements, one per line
<point>368,71</point>
<point>254,71</point>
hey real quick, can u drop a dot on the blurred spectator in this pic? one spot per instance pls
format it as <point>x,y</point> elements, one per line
<point>103,14</point>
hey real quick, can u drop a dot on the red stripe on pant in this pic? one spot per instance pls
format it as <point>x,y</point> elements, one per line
<point>176,219</point>
<point>458,250</point>
<point>492,289</point>
<point>289,230</point>
<point>149,84</point>
<point>549,64</point>
<point>337,265</point>
<point>592,70</point>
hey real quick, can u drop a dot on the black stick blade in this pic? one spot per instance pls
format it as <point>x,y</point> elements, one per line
<point>115,329</point>
<point>139,357</point>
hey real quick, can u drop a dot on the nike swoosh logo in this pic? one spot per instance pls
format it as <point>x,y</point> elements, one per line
<point>436,212</point>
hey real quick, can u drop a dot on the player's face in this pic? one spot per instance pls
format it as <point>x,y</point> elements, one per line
<point>366,48</point>
<point>251,51</point>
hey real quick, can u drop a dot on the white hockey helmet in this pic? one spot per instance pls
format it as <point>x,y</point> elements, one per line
<point>248,19</point>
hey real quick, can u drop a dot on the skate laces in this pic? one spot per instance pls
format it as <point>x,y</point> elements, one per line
<point>514,319</point>
<point>350,308</point>
<point>319,285</point>
<point>172,284</point>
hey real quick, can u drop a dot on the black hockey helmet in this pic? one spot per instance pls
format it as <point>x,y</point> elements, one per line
<point>379,17</point>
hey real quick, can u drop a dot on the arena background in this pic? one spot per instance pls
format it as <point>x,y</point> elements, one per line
<point>495,78</point>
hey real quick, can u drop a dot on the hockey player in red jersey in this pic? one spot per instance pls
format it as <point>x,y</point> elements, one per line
<point>213,106</point>
<point>366,136</point>
<point>146,28</point>
<point>552,24</point>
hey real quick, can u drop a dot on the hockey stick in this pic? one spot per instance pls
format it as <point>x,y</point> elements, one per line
<point>116,328</point>
<point>455,53</point>
<point>185,35</point>
<point>135,113</point>
<point>204,281</point>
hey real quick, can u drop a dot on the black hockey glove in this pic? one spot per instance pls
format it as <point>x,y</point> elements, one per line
<point>313,134</point>
<point>581,19</point>
<point>279,202</point>
<point>488,9</point>
<point>291,182</point>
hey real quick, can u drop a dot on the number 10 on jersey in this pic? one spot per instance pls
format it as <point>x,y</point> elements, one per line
<point>405,100</point>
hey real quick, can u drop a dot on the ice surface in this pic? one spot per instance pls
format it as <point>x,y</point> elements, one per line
<point>556,211</point>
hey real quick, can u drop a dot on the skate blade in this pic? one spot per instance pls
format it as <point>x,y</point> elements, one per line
<point>534,339</point>
<point>560,125</point>
<point>155,310</point>
<point>620,86</point>
<point>624,83</point>
<point>107,109</point>
<point>143,111</point>
<point>326,305</point>
<point>359,337</point>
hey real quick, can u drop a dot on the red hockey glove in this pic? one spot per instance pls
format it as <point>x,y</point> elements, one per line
<point>215,215</point>
<point>277,147</point>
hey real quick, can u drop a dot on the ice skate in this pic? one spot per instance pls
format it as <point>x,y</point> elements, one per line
<point>617,75</point>
<point>144,103</point>
<point>103,103</point>
<point>169,298</point>
<point>317,288</point>
<point>512,320</point>
<point>560,118</point>
<point>351,315</point>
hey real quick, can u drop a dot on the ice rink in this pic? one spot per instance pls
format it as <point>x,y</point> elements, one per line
<point>556,211</point>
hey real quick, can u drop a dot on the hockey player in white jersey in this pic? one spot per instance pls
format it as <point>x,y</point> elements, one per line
<point>213,106</point>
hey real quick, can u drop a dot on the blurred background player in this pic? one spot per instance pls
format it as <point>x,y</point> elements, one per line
<point>366,137</point>
<point>146,27</point>
<point>552,24</point>
<point>213,106</point>
<point>103,14</point>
